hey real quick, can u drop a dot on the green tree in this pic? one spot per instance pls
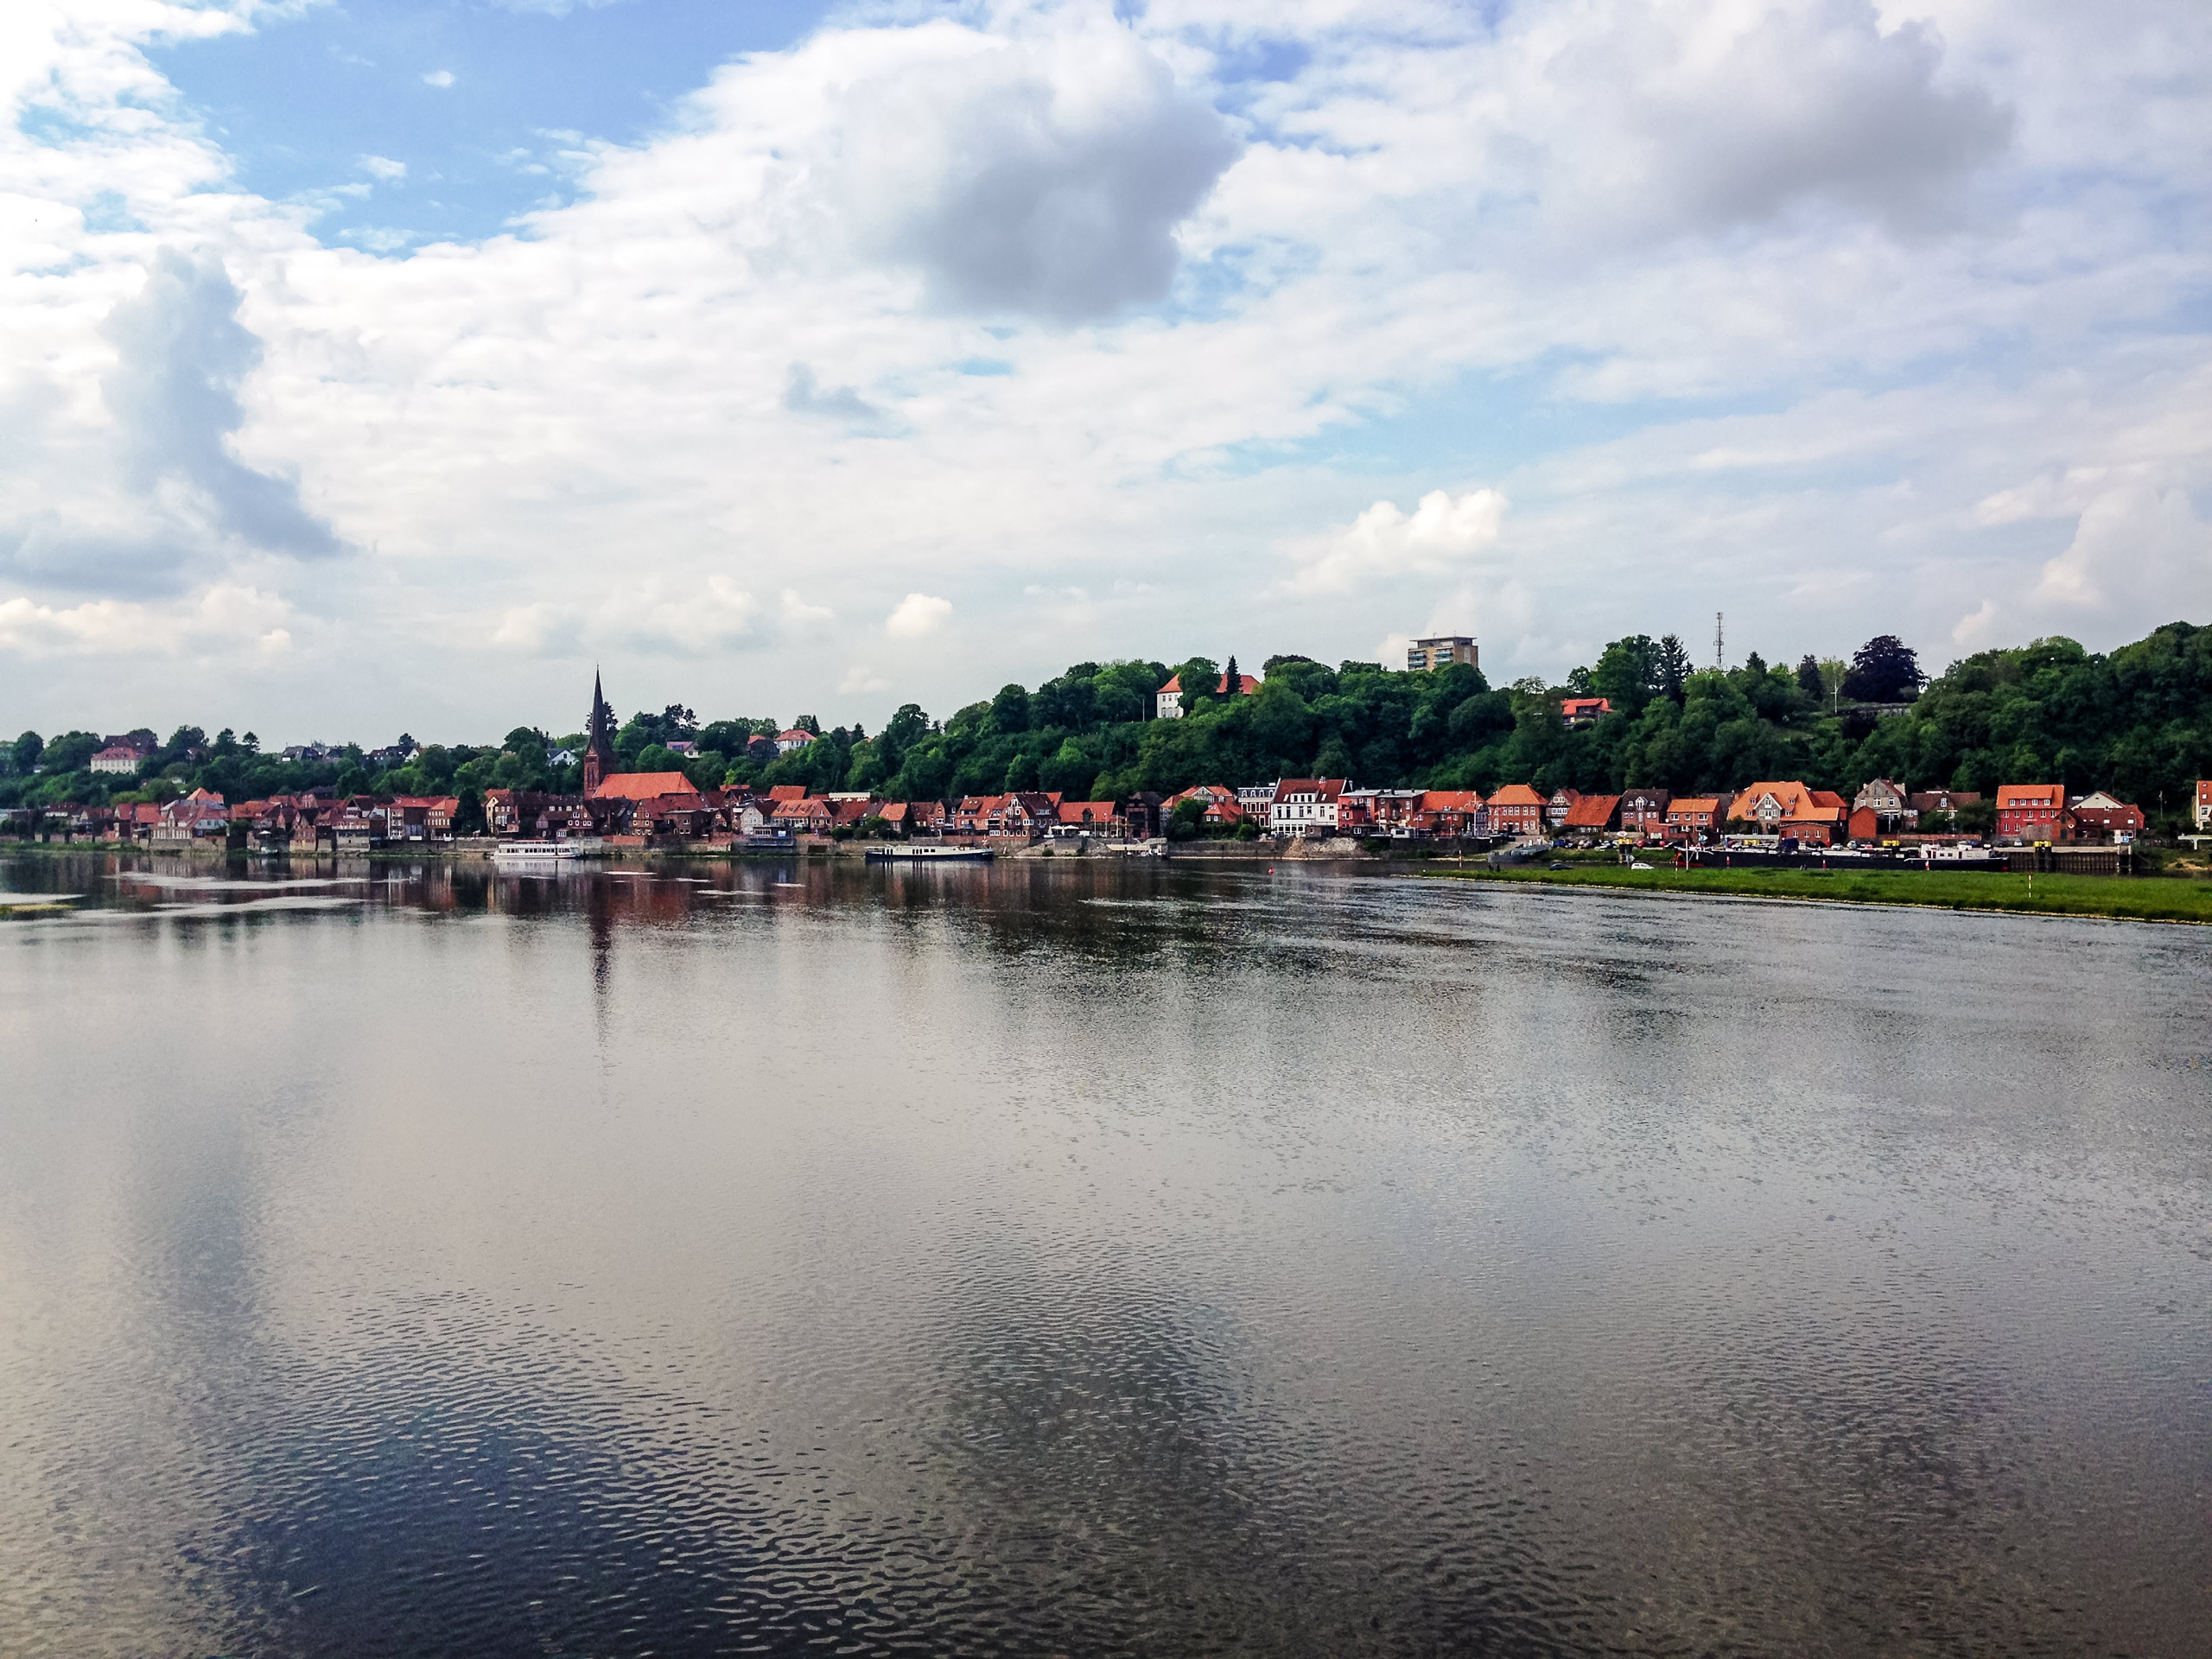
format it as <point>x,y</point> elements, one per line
<point>1010,709</point>
<point>1885,670</point>
<point>1628,674</point>
<point>1198,678</point>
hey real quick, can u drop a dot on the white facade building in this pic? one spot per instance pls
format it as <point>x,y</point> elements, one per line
<point>1305,806</point>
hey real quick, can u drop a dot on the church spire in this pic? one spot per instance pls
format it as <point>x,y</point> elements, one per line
<point>598,745</point>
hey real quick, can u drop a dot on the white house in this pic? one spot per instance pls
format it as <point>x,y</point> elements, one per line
<point>1305,806</point>
<point>1168,701</point>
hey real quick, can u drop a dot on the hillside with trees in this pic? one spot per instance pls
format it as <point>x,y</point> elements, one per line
<point>2136,720</point>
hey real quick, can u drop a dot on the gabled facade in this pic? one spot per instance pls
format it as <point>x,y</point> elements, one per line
<point>1305,806</point>
<point>1645,810</point>
<point>2033,812</point>
<point>1891,806</point>
<point>1517,810</point>
<point>809,815</point>
<point>1561,802</point>
<point>1027,813</point>
<point>198,816</point>
<point>2101,817</point>
<point>1579,712</point>
<point>1788,808</point>
<point>2202,816</point>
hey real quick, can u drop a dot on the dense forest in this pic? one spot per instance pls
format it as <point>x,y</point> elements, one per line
<point>2137,721</point>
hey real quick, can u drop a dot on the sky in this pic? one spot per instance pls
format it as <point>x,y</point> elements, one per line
<point>379,367</point>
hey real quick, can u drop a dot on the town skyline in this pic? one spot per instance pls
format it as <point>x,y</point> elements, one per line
<point>2048,716</point>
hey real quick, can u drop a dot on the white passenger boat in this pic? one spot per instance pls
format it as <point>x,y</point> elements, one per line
<point>928,852</point>
<point>544,852</point>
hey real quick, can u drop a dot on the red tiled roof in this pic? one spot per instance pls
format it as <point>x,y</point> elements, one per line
<point>1516,795</point>
<point>643,785</point>
<point>1592,812</point>
<point>1325,789</point>
<point>1246,684</point>
<point>2017,794</point>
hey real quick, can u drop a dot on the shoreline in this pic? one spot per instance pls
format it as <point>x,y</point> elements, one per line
<point>2180,901</point>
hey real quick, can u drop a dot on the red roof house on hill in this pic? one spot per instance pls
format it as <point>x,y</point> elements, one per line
<point>1168,701</point>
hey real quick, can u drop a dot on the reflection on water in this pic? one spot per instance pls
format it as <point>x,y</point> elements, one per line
<point>1084,1258</point>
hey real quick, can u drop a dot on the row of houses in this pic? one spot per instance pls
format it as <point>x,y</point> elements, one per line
<point>1880,811</point>
<point>648,808</point>
<point>315,818</point>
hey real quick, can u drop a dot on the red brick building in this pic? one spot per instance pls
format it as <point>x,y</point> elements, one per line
<point>1645,810</point>
<point>1517,810</point>
<point>2033,812</point>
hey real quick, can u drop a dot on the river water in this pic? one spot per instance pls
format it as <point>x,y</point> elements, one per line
<point>1086,1259</point>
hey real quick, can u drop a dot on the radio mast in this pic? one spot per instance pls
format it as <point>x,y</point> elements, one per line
<point>1720,657</point>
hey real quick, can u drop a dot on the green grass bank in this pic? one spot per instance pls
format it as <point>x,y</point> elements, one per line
<point>2141,898</point>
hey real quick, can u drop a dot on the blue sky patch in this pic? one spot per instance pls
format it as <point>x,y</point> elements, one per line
<point>475,102</point>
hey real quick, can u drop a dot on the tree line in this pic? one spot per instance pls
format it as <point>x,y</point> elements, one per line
<point>2136,720</point>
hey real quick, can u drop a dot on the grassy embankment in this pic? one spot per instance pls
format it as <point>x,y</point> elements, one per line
<point>2148,898</point>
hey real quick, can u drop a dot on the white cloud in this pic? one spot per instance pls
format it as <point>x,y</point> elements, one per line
<point>540,629</point>
<point>223,619</point>
<point>861,678</point>
<point>2137,547</point>
<point>916,616</point>
<point>1058,324</point>
<point>1385,542</point>
<point>658,617</point>
<point>383,168</point>
<point>440,78</point>
<point>1977,630</point>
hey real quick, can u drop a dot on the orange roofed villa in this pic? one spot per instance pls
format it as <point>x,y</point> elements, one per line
<point>1791,809</point>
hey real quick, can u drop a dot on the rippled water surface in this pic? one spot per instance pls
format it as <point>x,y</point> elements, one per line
<point>1054,1257</point>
